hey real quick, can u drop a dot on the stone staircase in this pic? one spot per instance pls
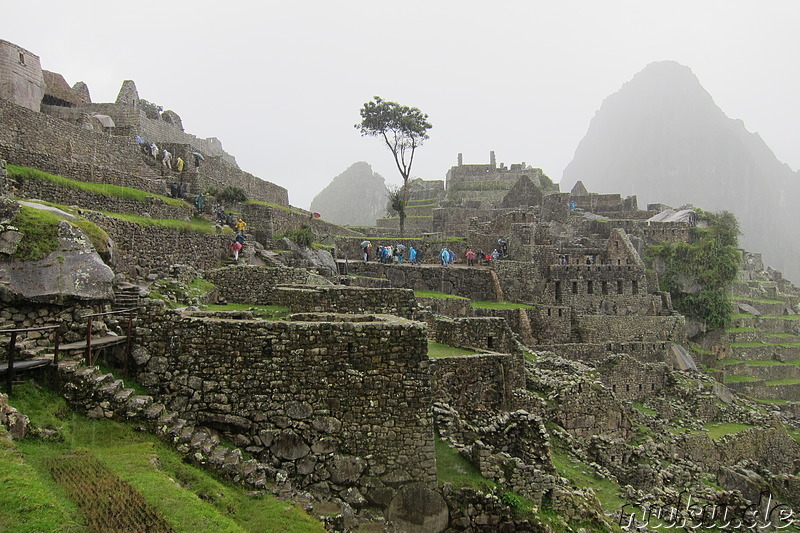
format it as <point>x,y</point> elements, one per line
<point>103,396</point>
<point>126,296</point>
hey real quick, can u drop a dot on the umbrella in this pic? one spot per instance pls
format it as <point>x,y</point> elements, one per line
<point>401,247</point>
<point>199,156</point>
<point>364,244</point>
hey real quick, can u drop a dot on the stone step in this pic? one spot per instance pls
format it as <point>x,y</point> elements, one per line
<point>155,411</point>
<point>112,388</point>
<point>123,396</point>
<point>137,405</point>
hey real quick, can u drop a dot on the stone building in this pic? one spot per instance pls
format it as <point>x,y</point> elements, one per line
<point>21,78</point>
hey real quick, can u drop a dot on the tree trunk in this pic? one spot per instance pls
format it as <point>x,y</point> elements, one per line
<point>403,207</point>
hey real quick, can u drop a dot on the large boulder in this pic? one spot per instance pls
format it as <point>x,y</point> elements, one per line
<point>73,272</point>
<point>418,509</point>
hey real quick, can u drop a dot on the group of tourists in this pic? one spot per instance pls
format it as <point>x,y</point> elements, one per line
<point>151,149</point>
<point>236,246</point>
<point>388,254</point>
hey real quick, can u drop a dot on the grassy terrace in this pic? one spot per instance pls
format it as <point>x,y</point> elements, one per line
<point>437,294</point>
<point>717,430</point>
<point>438,350</point>
<point>480,304</point>
<point>105,189</point>
<point>188,498</point>
<point>739,379</point>
<point>40,229</point>
<point>263,312</point>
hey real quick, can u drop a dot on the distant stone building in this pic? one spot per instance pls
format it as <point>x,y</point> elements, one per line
<point>21,77</point>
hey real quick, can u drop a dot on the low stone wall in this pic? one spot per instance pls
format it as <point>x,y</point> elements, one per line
<point>767,373</point>
<point>142,250</point>
<point>450,307</point>
<point>648,352</point>
<point>356,300</point>
<point>758,389</point>
<point>266,221</point>
<point>597,328</point>
<point>551,324</point>
<point>518,320</point>
<point>765,352</point>
<point>37,315</point>
<point>476,383</point>
<point>478,333</point>
<point>472,283</point>
<point>364,407</point>
<point>631,379</point>
<point>771,448</point>
<point>253,285</point>
<point>50,192</point>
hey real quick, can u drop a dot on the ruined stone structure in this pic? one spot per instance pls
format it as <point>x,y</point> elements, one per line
<point>302,393</point>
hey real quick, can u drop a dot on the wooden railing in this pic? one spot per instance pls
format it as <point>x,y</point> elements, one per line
<point>12,345</point>
<point>128,332</point>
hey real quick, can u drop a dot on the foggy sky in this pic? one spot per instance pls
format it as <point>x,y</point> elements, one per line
<point>281,83</point>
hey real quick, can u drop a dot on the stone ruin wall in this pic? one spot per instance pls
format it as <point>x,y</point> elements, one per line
<point>265,222</point>
<point>475,284</point>
<point>21,77</point>
<point>36,140</point>
<point>603,328</point>
<point>15,315</point>
<point>398,302</point>
<point>32,139</point>
<point>490,334</point>
<point>253,285</point>
<point>142,250</point>
<point>297,393</point>
<point>605,289</point>
<point>633,380</point>
<point>647,352</point>
<point>476,384</point>
<point>48,191</point>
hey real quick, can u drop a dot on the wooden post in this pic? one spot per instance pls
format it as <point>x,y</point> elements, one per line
<point>10,372</point>
<point>128,343</point>
<point>89,343</point>
<point>56,342</point>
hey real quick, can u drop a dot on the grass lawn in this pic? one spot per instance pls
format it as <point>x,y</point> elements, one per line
<point>438,350</point>
<point>481,304</point>
<point>717,430</point>
<point>787,381</point>
<point>265,312</point>
<point>104,189</point>
<point>739,379</point>
<point>436,294</point>
<point>642,409</point>
<point>190,499</point>
<point>452,468</point>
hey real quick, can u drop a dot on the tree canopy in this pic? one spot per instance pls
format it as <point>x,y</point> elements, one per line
<point>402,129</point>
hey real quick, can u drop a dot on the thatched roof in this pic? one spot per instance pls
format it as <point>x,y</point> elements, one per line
<point>56,87</point>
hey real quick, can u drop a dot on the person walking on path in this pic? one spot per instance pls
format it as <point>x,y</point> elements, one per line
<point>470,257</point>
<point>234,248</point>
<point>445,257</point>
<point>241,225</point>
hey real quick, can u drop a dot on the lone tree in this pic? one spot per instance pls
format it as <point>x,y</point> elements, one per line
<point>402,129</point>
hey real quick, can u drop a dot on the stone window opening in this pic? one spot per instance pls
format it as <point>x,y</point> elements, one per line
<point>558,291</point>
<point>652,386</point>
<point>549,312</point>
<point>574,287</point>
<point>635,287</point>
<point>560,312</point>
<point>350,347</point>
<point>627,387</point>
<point>619,286</point>
<point>490,343</point>
<point>613,388</point>
<point>21,58</point>
<point>590,287</point>
<point>604,287</point>
<point>640,387</point>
